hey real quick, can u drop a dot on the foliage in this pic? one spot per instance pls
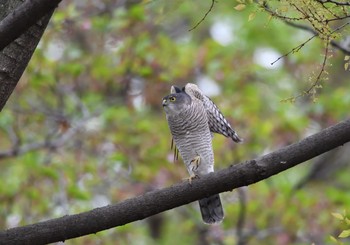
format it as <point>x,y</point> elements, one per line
<point>323,18</point>
<point>85,126</point>
<point>345,220</point>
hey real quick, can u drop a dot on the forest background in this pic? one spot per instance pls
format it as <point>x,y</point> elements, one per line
<point>85,126</point>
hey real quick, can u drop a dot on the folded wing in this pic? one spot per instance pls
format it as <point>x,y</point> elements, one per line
<point>217,121</point>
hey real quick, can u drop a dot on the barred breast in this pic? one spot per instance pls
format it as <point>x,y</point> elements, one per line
<point>192,137</point>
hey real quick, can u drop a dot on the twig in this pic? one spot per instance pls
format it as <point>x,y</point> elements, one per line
<point>48,143</point>
<point>337,18</point>
<point>294,50</point>
<point>325,58</point>
<point>309,29</point>
<point>327,9</point>
<point>334,2</point>
<point>267,8</point>
<point>318,78</point>
<point>205,15</point>
<point>290,21</point>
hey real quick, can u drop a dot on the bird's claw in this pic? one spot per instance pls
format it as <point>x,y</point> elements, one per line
<point>192,177</point>
<point>195,163</point>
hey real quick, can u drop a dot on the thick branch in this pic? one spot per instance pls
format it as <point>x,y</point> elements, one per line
<point>157,201</point>
<point>15,56</point>
<point>26,15</point>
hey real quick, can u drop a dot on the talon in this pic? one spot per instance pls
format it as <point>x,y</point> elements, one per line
<point>195,161</point>
<point>192,177</point>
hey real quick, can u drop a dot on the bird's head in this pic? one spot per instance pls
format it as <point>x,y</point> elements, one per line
<point>175,103</point>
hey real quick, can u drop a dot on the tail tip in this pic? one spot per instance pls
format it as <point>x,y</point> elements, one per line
<point>212,220</point>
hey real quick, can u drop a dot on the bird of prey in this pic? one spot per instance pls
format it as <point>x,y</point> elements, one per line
<point>192,118</point>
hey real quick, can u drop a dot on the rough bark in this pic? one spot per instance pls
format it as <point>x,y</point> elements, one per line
<point>17,18</point>
<point>21,18</point>
<point>157,201</point>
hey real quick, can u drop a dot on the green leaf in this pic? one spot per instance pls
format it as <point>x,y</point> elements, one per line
<point>345,233</point>
<point>240,7</point>
<point>347,221</point>
<point>333,239</point>
<point>78,193</point>
<point>251,16</point>
<point>338,216</point>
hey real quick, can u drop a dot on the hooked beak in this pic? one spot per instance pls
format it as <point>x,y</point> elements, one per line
<point>165,102</point>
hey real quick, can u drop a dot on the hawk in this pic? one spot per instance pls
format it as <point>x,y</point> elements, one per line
<point>193,118</point>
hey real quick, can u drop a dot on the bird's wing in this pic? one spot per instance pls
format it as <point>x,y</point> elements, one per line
<point>217,121</point>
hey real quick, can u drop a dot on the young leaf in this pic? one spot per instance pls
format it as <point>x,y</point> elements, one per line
<point>345,233</point>
<point>347,221</point>
<point>240,7</point>
<point>338,216</point>
<point>251,16</point>
<point>333,239</point>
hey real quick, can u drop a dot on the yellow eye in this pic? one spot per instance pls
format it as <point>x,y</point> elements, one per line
<point>172,99</point>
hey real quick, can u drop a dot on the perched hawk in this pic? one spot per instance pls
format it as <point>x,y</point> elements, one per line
<point>192,118</point>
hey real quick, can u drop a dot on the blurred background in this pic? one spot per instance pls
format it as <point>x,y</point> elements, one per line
<point>85,127</point>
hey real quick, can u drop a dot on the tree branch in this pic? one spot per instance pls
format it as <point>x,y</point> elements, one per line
<point>334,2</point>
<point>151,203</point>
<point>52,141</point>
<point>14,57</point>
<point>205,15</point>
<point>26,15</point>
<point>309,29</point>
<point>291,22</point>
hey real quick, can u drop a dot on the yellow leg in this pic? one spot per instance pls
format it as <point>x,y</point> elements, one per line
<point>195,163</point>
<point>192,177</point>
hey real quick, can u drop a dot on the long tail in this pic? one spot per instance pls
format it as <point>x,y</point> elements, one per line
<point>211,209</point>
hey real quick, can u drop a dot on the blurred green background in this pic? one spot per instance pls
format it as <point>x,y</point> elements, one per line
<point>85,126</point>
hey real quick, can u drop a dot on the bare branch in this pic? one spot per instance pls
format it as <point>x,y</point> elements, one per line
<point>334,2</point>
<point>294,50</point>
<point>292,22</point>
<point>205,15</point>
<point>49,143</point>
<point>309,29</point>
<point>311,89</point>
<point>273,13</point>
<point>151,203</point>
